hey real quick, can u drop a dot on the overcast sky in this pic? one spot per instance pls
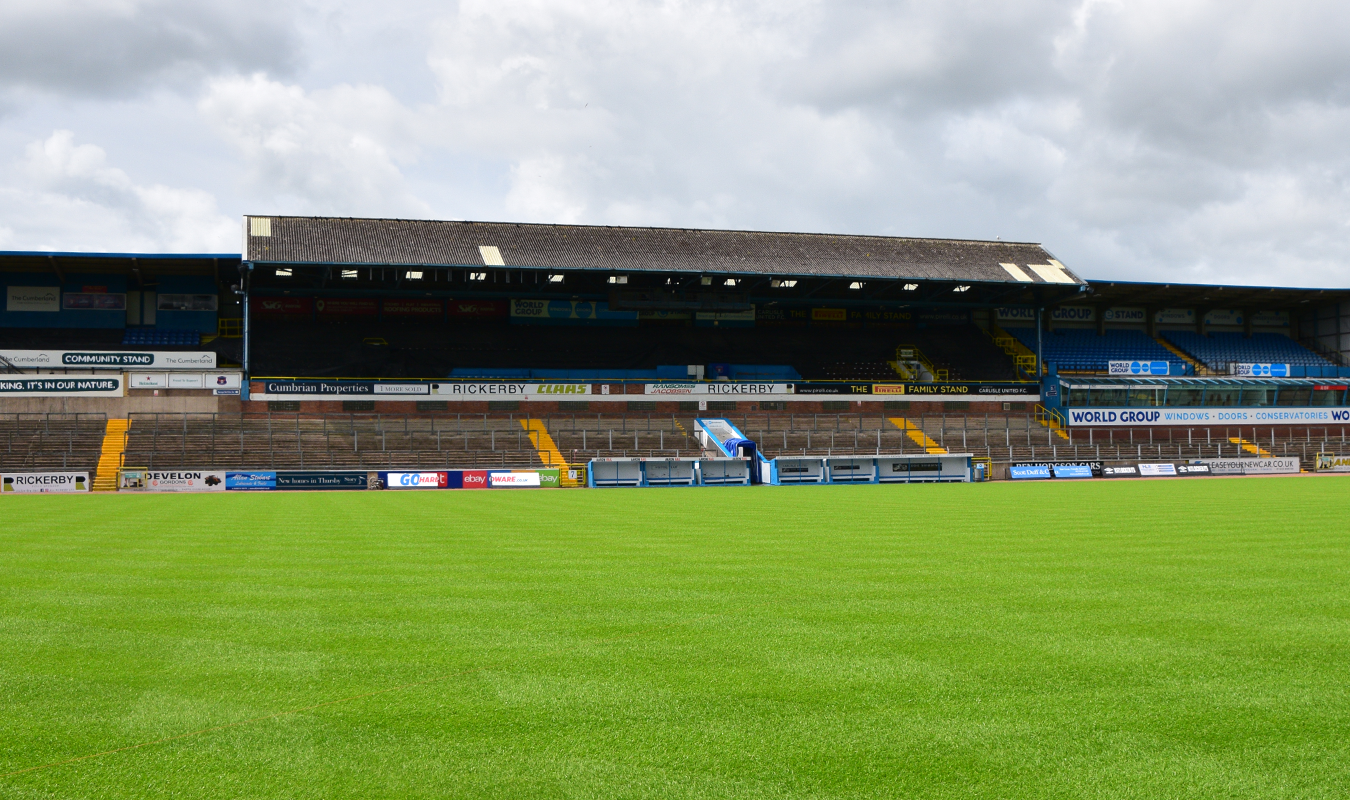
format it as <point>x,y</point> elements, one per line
<point>1142,140</point>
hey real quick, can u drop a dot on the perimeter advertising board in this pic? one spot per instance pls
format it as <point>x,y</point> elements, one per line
<point>110,386</point>
<point>171,481</point>
<point>44,482</point>
<point>1162,417</point>
<point>1252,466</point>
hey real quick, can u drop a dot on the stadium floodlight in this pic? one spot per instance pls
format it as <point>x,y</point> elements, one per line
<point>477,276</point>
<point>413,275</point>
<point>284,272</point>
<point>619,279</point>
<point>856,285</point>
<point>729,282</point>
<point>777,284</point>
<point>556,277</point>
<point>910,287</point>
<point>706,281</point>
<point>348,275</point>
<point>964,288</point>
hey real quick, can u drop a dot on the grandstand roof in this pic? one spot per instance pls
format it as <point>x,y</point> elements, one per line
<point>1193,295</point>
<point>392,242</point>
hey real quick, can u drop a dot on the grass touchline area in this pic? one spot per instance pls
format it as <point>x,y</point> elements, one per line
<point>1106,639</point>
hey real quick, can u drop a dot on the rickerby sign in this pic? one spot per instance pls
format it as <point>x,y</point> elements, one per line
<point>57,387</point>
<point>408,390</point>
<point>109,359</point>
<point>1159,417</point>
<point>44,482</point>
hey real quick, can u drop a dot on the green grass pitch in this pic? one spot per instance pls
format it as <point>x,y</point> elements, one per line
<point>1134,639</point>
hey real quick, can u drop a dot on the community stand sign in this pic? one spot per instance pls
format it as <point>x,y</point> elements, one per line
<point>109,359</point>
<point>44,482</point>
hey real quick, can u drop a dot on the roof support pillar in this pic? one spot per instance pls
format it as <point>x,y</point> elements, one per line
<point>1040,362</point>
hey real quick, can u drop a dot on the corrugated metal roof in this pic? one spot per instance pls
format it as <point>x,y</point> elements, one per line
<point>331,240</point>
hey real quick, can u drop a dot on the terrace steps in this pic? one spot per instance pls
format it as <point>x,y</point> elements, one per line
<point>110,457</point>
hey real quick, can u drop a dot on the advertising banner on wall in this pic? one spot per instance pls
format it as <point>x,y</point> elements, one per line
<point>94,301</point>
<point>478,308</point>
<point>717,388</point>
<point>1270,319</point>
<point>62,387</point>
<point>1261,370</point>
<point>281,306</point>
<point>1158,470</point>
<point>1220,316</point>
<point>250,481</point>
<point>109,359</point>
<point>33,298</point>
<point>1138,367</point>
<point>1016,316</point>
<point>1252,466</point>
<point>312,480</point>
<point>186,302</point>
<point>172,481</point>
<point>44,482</point>
<point>513,480</point>
<point>1125,315</point>
<point>1073,314</point>
<point>1145,417</point>
<point>416,480</point>
<point>413,307</point>
<point>346,306</point>
<point>1175,316</point>
<point>569,312</point>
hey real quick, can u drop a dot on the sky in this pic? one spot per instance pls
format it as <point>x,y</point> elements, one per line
<point>1154,140</point>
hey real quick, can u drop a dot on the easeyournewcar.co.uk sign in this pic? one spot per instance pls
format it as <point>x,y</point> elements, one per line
<point>57,387</point>
<point>108,359</point>
<point>1145,417</point>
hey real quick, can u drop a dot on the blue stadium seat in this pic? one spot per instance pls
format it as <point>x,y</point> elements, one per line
<point>1217,350</point>
<point>1076,349</point>
<point>154,337</point>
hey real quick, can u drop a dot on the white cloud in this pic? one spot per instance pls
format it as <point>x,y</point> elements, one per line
<point>335,151</point>
<point>65,196</point>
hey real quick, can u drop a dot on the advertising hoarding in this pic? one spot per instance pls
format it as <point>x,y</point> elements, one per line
<point>33,298</point>
<point>44,482</point>
<point>110,386</point>
<point>1200,416</point>
<point>1139,367</point>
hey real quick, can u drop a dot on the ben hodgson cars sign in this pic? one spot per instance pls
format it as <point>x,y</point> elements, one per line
<point>1206,416</point>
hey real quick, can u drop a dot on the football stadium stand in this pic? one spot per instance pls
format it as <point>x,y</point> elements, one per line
<point>1087,350</point>
<point>341,344</point>
<point>1218,350</point>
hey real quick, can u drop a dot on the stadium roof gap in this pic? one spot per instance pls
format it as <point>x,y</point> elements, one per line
<point>428,243</point>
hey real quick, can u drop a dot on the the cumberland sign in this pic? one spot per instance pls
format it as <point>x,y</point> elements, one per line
<point>1215,417</point>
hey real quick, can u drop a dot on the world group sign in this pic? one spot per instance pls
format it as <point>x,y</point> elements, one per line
<point>1262,370</point>
<point>1139,367</point>
<point>1202,417</point>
